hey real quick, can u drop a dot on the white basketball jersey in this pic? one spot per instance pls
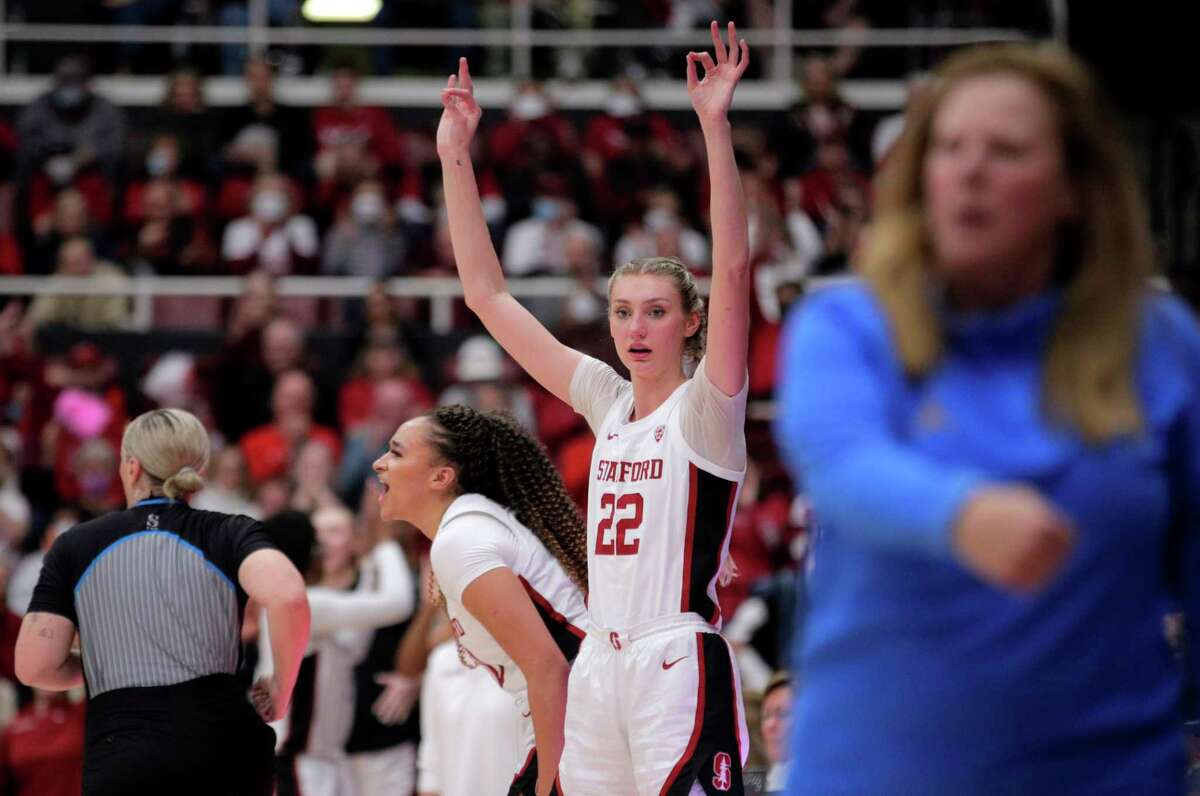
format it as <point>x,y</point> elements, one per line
<point>659,519</point>
<point>557,599</point>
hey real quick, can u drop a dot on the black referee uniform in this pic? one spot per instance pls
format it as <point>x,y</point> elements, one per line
<point>154,593</point>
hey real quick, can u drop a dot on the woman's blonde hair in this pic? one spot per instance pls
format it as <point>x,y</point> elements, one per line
<point>172,447</point>
<point>1105,256</point>
<point>689,294</point>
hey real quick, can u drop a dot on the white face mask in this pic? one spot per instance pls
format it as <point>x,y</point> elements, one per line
<point>269,206</point>
<point>530,105</point>
<point>60,169</point>
<point>159,162</point>
<point>367,207</point>
<point>622,105</point>
<point>583,307</point>
<point>659,218</point>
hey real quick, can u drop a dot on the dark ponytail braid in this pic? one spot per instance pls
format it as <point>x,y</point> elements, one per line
<point>497,458</point>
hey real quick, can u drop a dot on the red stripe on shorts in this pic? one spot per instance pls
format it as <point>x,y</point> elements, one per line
<point>697,727</point>
<point>525,766</point>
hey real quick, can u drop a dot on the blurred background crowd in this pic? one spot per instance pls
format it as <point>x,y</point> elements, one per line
<point>302,392</point>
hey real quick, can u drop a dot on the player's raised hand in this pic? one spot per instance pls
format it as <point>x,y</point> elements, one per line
<point>712,95</point>
<point>460,113</point>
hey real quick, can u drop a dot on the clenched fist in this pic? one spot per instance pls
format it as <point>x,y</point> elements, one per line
<point>1012,537</point>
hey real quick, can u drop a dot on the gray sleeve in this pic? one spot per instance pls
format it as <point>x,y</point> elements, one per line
<point>595,387</point>
<point>713,423</point>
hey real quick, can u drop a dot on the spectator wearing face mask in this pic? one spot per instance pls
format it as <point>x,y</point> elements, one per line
<point>365,242</point>
<point>626,150</point>
<point>538,244</point>
<point>69,130</point>
<point>94,470</point>
<point>184,115</point>
<point>534,139</point>
<point>162,162</point>
<point>354,142</point>
<point>274,237</point>
<point>663,232</point>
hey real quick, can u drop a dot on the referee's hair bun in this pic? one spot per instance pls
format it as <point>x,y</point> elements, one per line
<point>184,482</point>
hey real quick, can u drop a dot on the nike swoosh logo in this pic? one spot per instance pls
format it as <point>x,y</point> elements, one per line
<point>527,715</point>
<point>672,663</point>
<point>613,436</point>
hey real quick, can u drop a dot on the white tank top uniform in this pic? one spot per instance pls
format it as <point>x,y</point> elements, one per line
<point>477,535</point>
<point>654,705</point>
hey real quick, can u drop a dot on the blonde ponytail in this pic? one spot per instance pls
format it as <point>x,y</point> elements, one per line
<point>168,441</point>
<point>183,483</point>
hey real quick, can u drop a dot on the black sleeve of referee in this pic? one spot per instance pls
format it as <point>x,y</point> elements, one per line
<point>55,590</point>
<point>237,538</point>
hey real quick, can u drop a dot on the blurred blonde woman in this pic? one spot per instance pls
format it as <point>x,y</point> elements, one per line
<point>999,430</point>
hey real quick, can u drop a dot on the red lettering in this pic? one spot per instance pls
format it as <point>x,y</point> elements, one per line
<point>629,472</point>
<point>604,545</point>
<point>628,524</point>
<point>625,541</point>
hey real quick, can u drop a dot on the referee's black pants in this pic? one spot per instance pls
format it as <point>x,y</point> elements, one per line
<point>198,737</point>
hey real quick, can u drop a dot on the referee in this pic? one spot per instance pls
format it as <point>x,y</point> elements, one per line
<point>156,593</point>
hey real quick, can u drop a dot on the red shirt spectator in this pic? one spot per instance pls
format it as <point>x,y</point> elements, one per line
<point>354,143</point>
<point>368,127</point>
<point>269,449</point>
<point>383,358</point>
<point>41,750</point>
<point>530,124</point>
<point>833,181</point>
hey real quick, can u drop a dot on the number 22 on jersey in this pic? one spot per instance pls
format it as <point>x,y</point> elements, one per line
<point>619,533</point>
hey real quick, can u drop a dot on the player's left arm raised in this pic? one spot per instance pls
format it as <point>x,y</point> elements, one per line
<point>729,297</point>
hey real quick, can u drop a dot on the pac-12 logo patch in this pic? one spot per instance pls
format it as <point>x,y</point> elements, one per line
<point>722,771</point>
<point>658,433</point>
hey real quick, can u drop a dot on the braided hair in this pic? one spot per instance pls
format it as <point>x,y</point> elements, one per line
<point>497,458</point>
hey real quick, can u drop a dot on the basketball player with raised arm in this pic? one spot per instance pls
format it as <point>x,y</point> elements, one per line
<point>654,704</point>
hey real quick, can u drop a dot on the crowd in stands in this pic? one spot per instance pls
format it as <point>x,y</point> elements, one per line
<point>854,15</point>
<point>301,395</point>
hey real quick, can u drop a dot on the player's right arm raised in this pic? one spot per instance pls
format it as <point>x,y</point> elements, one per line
<point>534,348</point>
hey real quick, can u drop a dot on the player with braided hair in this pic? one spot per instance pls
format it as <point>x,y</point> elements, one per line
<point>500,460</point>
<point>509,554</point>
<point>655,704</point>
